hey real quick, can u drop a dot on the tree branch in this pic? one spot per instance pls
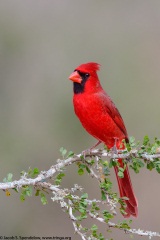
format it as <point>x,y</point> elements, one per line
<point>68,200</point>
<point>76,158</point>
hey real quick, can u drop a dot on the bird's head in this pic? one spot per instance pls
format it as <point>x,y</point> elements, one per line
<point>85,78</point>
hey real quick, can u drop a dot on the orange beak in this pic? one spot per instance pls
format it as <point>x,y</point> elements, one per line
<point>75,77</point>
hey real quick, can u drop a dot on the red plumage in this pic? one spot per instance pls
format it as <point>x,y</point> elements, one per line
<point>100,117</point>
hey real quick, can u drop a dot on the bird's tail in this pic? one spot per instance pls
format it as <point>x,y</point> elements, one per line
<point>126,190</point>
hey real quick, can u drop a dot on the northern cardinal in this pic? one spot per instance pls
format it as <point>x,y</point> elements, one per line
<point>100,117</point>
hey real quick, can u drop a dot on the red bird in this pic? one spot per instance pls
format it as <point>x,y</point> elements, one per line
<point>100,117</point>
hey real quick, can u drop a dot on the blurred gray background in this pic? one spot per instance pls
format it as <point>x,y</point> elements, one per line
<point>41,42</point>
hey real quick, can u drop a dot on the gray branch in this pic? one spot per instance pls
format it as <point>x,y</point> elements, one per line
<point>59,195</point>
<point>66,162</point>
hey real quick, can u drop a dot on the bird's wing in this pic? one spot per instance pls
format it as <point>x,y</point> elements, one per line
<point>111,109</point>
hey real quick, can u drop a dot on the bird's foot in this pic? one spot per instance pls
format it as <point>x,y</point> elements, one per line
<point>114,149</point>
<point>88,151</point>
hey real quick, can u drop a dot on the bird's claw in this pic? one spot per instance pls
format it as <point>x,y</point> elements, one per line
<point>114,149</point>
<point>88,151</point>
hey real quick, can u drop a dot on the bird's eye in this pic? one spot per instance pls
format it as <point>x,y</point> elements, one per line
<point>87,75</point>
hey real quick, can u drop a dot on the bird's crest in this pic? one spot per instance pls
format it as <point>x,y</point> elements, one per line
<point>89,67</point>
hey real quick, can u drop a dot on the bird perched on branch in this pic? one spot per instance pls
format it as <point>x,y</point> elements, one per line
<point>100,117</point>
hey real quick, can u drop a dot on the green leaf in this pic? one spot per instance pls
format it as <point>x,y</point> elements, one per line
<point>16,190</point>
<point>158,168</point>
<point>124,225</point>
<point>22,198</point>
<point>103,196</point>
<point>150,166</point>
<point>131,144</point>
<point>29,191</point>
<point>87,169</point>
<point>43,199</point>
<point>145,140</point>
<point>112,163</point>
<point>83,203</point>
<point>94,207</point>
<point>94,227</point>
<point>82,210</point>
<point>59,177</point>
<point>26,191</point>
<point>37,192</point>
<point>131,140</point>
<point>22,173</point>
<point>70,154</point>
<point>84,196</point>
<point>122,211</point>
<point>32,173</point>
<point>106,184</point>
<point>82,166</point>
<point>63,151</point>
<point>8,178</point>
<point>35,171</point>
<point>101,237</point>
<point>107,215</point>
<point>82,216</point>
<point>90,161</point>
<point>106,171</point>
<point>104,163</point>
<point>80,171</point>
<point>136,164</point>
<point>125,198</point>
<point>120,174</point>
<point>69,196</point>
<point>121,169</point>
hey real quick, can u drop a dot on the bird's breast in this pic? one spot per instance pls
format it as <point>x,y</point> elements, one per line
<point>93,115</point>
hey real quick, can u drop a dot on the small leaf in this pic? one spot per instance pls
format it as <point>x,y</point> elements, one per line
<point>125,198</point>
<point>80,171</point>
<point>124,225</point>
<point>112,163</point>
<point>145,140</point>
<point>70,154</point>
<point>37,192</point>
<point>59,177</point>
<point>121,174</point>
<point>63,151</point>
<point>131,140</point>
<point>107,215</point>
<point>8,178</point>
<point>43,199</point>
<point>7,193</point>
<point>84,196</point>
<point>82,166</point>
<point>121,169</point>
<point>101,237</point>
<point>103,195</point>
<point>150,166</point>
<point>88,170</point>
<point>28,191</point>
<point>35,171</point>
<point>158,168</point>
<point>22,173</point>
<point>94,228</point>
<point>15,189</point>
<point>106,171</point>
<point>22,198</point>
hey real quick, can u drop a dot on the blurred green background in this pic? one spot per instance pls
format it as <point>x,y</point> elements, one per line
<point>41,42</point>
